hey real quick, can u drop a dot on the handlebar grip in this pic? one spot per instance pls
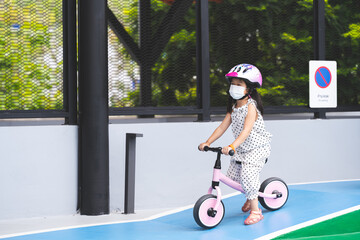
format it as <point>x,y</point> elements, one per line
<point>206,148</point>
<point>231,152</point>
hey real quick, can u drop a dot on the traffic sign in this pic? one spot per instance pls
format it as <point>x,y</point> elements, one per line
<point>323,77</point>
<point>322,84</point>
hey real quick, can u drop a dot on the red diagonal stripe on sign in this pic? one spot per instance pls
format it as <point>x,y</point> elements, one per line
<point>322,77</point>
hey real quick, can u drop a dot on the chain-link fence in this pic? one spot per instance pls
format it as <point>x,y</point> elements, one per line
<point>173,74</point>
<point>343,46</point>
<point>31,55</point>
<point>124,78</point>
<point>276,36</point>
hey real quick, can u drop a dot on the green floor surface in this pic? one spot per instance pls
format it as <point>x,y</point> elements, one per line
<point>343,227</point>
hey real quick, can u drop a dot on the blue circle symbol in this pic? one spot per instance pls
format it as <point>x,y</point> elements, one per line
<point>323,77</point>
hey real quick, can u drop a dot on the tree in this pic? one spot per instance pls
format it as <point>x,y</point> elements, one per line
<point>30,55</point>
<point>274,35</point>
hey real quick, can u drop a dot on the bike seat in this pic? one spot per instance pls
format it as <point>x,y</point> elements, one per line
<point>266,160</point>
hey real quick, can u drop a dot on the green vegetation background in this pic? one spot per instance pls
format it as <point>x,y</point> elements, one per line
<point>274,35</point>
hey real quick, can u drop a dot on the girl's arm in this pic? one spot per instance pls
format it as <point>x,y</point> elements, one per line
<point>248,125</point>
<point>219,131</point>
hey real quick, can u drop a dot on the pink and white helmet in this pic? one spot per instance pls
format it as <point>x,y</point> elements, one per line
<point>246,71</point>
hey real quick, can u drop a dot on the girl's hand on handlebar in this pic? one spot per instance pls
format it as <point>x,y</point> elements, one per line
<point>226,150</point>
<point>202,145</point>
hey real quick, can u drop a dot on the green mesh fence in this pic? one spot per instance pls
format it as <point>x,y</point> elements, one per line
<point>123,71</point>
<point>276,36</point>
<point>31,55</point>
<point>173,73</point>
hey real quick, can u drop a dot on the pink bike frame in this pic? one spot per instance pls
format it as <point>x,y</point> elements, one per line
<point>218,176</point>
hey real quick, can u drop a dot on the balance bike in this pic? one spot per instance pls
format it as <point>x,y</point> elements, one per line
<point>209,210</point>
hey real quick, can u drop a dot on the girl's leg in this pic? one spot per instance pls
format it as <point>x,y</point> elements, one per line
<point>255,212</point>
<point>250,180</point>
<point>247,206</point>
<point>254,204</point>
<point>234,172</point>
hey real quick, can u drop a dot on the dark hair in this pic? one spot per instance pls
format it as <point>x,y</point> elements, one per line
<point>256,96</point>
<point>230,104</point>
<point>253,94</point>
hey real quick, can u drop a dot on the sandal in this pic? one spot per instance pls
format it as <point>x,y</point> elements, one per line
<point>246,207</point>
<point>254,217</point>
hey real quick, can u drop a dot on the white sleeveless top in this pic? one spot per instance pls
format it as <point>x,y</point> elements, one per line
<point>258,136</point>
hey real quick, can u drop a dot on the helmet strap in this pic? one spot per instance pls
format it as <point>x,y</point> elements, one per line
<point>247,95</point>
<point>251,89</point>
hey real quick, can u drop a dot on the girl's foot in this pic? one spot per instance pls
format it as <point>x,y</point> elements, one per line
<point>254,217</point>
<point>246,207</point>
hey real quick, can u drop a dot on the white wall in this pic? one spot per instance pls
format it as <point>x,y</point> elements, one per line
<point>171,172</point>
<point>38,164</point>
<point>38,171</point>
<point>315,150</point>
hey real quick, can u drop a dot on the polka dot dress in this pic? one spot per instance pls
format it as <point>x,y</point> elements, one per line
<point>247,163</point>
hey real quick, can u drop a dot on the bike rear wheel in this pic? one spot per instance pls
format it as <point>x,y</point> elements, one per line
<point>274,185</point>
<point>204,213</point>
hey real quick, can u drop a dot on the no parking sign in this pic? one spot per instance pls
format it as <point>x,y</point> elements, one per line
<point>323,84</point>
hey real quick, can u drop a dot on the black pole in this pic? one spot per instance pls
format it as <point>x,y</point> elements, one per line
<point>93,108</point>
<point>203,59</point>
<point>319,29</point>
<point>130,163</point>
<point>70,61</point>
<point>319,40</point>
<point>146,52</point>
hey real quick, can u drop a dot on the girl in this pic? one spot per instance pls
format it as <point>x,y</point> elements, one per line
<point>252,141</point>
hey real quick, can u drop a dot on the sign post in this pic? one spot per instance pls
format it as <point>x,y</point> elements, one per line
<point>322,84</point>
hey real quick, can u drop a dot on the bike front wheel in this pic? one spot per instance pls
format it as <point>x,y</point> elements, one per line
<point>274,185</point>
<point>205,215</point>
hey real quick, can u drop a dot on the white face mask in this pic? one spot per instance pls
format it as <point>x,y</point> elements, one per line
<point>237,92</point>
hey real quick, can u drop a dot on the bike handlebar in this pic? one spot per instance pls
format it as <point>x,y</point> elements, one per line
<point>218,150</point>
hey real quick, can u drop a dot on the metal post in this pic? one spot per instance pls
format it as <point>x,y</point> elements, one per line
<point>203,59</point>
<point>129,205</point>
<point>70,61</point>
<point>146,52</point>
<point>93,108</point>
<point>319,40</point>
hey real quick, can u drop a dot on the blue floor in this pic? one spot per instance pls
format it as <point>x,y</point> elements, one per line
<point>306,202</point>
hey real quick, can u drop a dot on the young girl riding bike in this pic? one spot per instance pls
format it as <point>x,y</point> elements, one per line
<point>252,141</point>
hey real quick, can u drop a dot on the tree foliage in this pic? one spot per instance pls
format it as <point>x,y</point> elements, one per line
<point>276,36</point>
<point>30,55</point>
